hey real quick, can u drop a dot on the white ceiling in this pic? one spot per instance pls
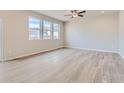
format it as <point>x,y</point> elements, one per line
<point>59,14</point>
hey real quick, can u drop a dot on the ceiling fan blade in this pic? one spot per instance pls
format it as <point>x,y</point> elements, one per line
<point>75,13</point>
<point>81,15</point>
<point>72,11</point>
<point>82,12</point>
<point>75,10</point>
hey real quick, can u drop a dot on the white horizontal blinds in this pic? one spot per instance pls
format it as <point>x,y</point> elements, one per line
<point>34,28</point>
<point>47,29</point>
<point>56,31</point>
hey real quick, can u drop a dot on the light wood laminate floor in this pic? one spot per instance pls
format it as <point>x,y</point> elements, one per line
<point>65,65</point>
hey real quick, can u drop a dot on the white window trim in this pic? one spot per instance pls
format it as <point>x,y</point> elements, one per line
<point>33,28</point>
<point>58,31</point>
<point>50,30</point>
<point>42,29</point>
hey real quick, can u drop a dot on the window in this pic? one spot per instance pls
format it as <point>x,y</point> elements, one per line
<point>34,28</point>
<point>43,29</point>
<point>56,31</point>
<point>47,29</point>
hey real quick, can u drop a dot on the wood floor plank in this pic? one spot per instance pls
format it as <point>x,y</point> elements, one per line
<point>65,65</point>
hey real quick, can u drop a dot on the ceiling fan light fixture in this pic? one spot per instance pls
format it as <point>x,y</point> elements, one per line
<point>75,15</point>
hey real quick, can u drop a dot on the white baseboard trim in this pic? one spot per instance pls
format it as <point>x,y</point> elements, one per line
<point>12,58</point>
<point>91,49</point>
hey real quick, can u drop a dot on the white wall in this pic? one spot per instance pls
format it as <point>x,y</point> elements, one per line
<point>100,33</point>
<point>121,33</point>
<point>0,40</point>
<point>16,39</point>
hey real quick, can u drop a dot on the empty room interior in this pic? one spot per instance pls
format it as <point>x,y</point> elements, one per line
<point>61,46</point>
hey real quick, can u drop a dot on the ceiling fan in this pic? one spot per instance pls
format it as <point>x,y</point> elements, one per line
<point>76,13</point>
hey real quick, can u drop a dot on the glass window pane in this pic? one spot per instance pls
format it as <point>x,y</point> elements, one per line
<point>55,35</point>
<point>34,23</point>
<point>46,30</point>
<point>34,28</point>
<point>56,29</point>
<point>34,34</point>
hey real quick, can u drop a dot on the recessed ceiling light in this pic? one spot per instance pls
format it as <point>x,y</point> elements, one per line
<point>102,11</point>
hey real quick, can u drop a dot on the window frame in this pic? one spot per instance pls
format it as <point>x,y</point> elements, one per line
<point>41,29</point>
<point>57,31</point>
<point>34,28</point>
<point>50,29</point>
